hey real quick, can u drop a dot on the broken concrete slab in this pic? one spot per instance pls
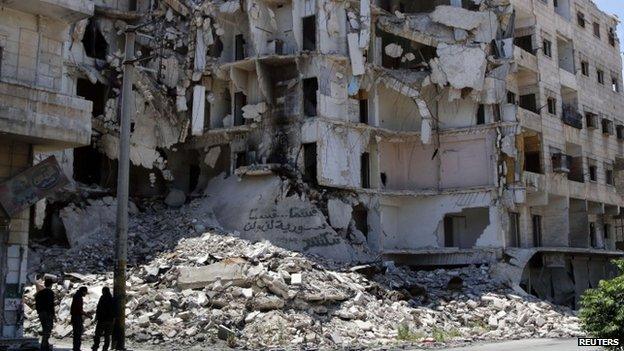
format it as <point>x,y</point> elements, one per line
<point>228,271</point>
<point>464,67</point>
<point>339,213</point>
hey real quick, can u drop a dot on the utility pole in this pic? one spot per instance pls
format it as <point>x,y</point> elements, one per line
<point>123,176</point>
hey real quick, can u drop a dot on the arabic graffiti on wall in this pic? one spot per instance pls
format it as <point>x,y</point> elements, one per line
<point>302,226</point>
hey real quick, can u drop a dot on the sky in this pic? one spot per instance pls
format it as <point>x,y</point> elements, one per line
<point>615,7</point>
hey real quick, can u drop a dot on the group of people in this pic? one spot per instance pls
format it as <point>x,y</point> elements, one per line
<point>104,316</point>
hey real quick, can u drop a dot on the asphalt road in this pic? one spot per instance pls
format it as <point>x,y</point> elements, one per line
<point>531,344</point>
<point>514,345</point>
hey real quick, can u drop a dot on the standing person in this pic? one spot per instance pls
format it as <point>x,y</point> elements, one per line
<point>44,304</point>
<point>104,315</point>
<point>77,315</point>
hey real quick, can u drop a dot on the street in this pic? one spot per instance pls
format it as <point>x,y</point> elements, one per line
<point>514,345</point>
<point>532,344</point>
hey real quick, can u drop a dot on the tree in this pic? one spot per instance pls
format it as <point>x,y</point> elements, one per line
<point>602,309</point>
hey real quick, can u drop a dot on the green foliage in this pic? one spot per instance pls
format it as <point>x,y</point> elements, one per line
<point>442,335</point>
<point>405,334</point>
<point>602,309</point>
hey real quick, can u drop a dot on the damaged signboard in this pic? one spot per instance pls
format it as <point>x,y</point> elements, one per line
<point>32,185</point>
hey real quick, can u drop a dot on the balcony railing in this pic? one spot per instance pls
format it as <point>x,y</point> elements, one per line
<point>572,117</point>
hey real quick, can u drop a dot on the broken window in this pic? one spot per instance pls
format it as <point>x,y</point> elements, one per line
<point>537,230</point>
<point>532,151</point>
<point>360,217</point>
<point>606,231</point>
<point>529,102</point>
<point>1,55</point>
<point>560,162</point>
<point>94,42</point>
<point>365,170</point>
<point>547,47</point>
<point>363,106</point>
<point>593,171</point>
<point>552,105</point>
<point>240,100</point>
<point>600,76</point>
<point>585,68</point>
<point>309,162</point>
<point>481,114</point>
<point>615,84</point>
<point>511,97</point>
<point>514,229</point>
<point>597,29</point>
<point>620,131</point>
<point>239,47</point>
<point>309,33</point>
<point>580,19</point>
<point>612,36</point>
<point>609,174</point>
<point>592,235</point>
<point>525,43</point>
<point>310,88</point>
<point>607,126</point>
<point>591,119</point>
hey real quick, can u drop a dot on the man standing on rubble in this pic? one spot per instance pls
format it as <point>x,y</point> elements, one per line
<point>77,316</point>
<point>44,304</point>
<point>104,315</point>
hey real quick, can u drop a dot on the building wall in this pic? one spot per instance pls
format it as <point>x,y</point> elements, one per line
<point>32,49</point>
<point>14,158</point>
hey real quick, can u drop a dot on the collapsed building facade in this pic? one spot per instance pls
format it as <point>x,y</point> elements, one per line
<point>434,133</point>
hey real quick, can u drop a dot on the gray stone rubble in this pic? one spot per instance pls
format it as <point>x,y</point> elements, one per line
<point>190,284</point>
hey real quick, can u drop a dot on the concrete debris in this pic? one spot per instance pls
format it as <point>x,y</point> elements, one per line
<point>463,67</point>
<point>82,224</point>
<point>339,213</point>
<point>254,112</point>
<point>187,288</point>
<point>175,198</point>
<point>393,50</point>
<point>212,156</point>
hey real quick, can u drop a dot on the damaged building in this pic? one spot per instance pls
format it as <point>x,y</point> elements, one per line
<point>433,133</point>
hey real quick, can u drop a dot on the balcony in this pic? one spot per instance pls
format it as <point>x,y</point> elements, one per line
<point>572,117</point>
<point>529,119</point>
<point>568,79</point>
<point>68,11</point>
<point>44,117</point>
<point>525,59</point>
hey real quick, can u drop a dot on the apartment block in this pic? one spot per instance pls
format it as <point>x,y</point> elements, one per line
<point>568,93</point>
<point>431,133</point>
<point>38,114</point>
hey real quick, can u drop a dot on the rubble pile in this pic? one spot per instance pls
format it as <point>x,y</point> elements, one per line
<point>191,284</point>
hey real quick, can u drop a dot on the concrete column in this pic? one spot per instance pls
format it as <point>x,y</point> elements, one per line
<point>14,158</point>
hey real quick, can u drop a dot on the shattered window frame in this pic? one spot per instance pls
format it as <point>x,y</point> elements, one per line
<point>551,103</point>
<point>585,68</point>
<point>547,47</point>
<point>600,76</point>
<point>580,19</point>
